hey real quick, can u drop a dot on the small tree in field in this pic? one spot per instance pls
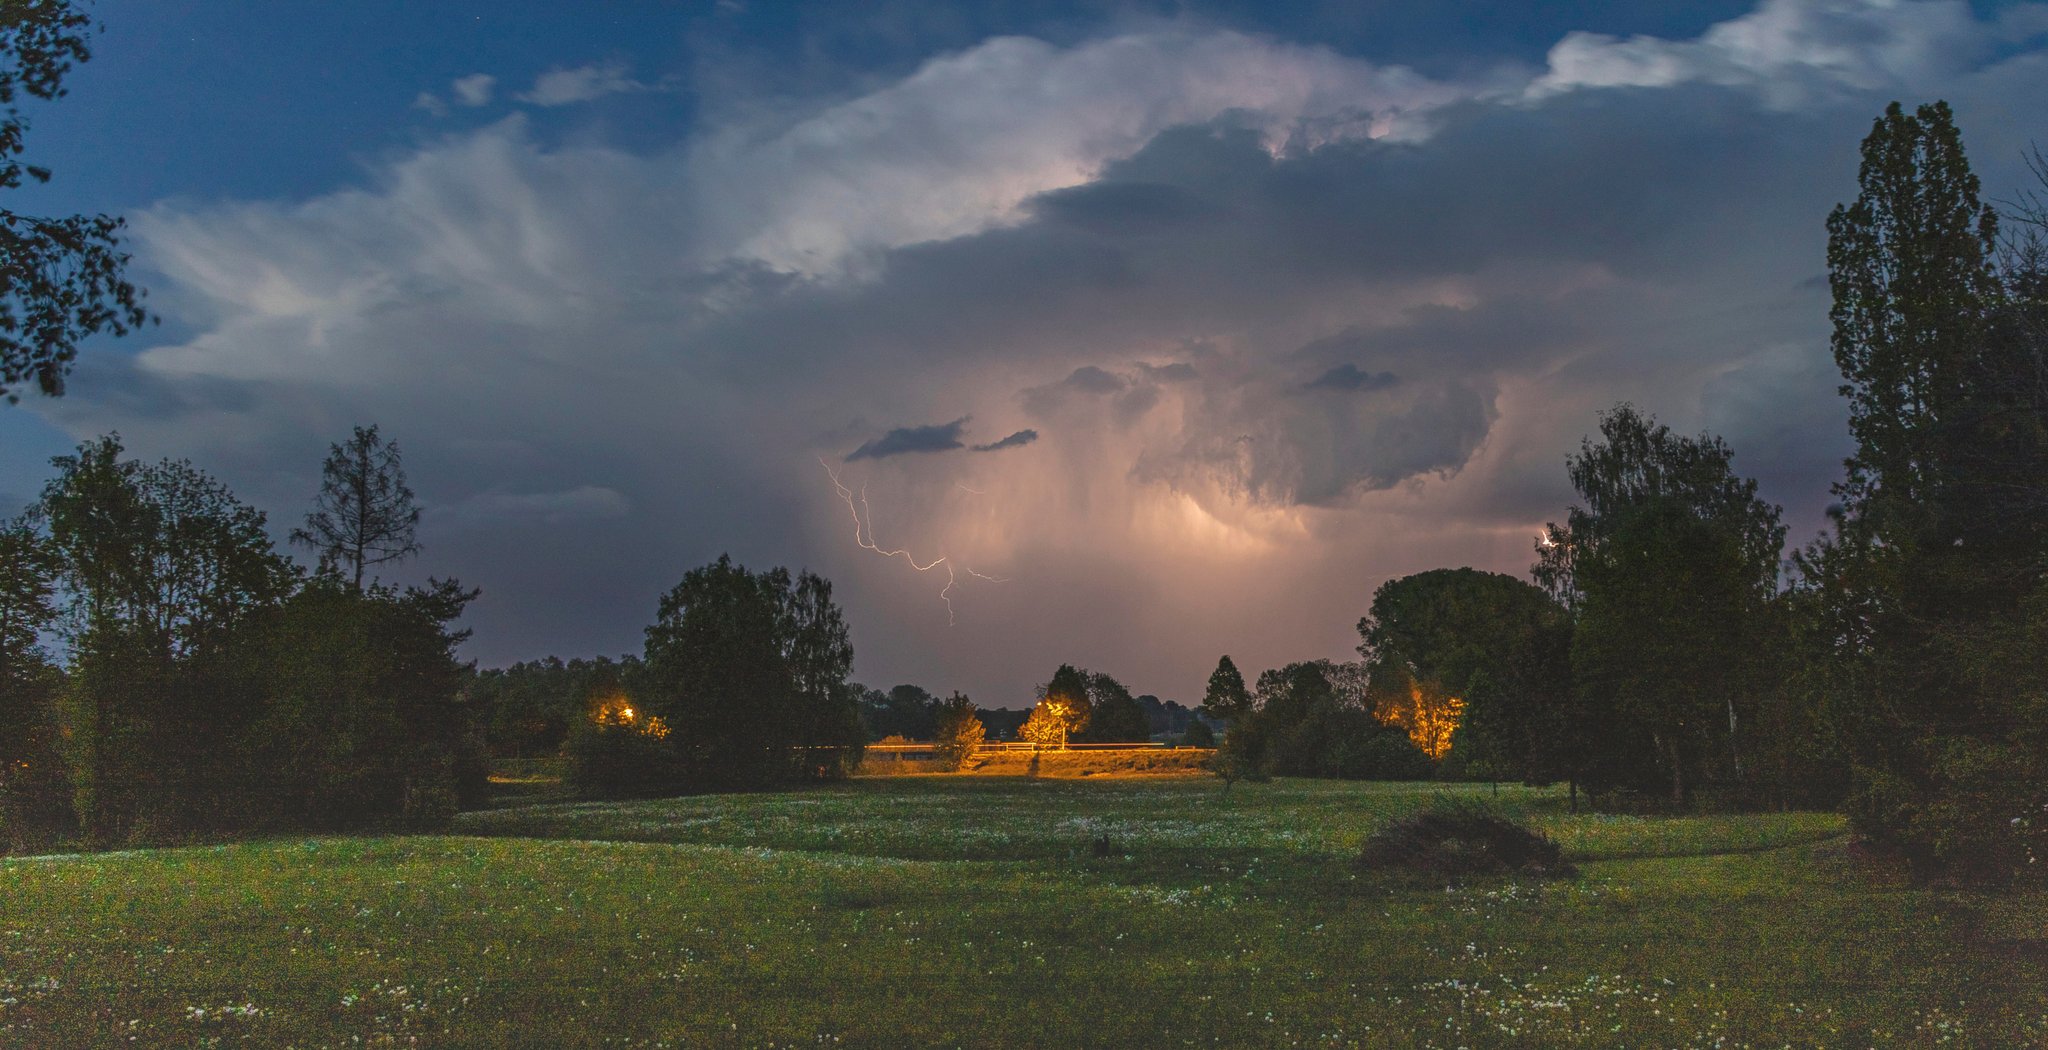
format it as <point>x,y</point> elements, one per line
<point>960,732</point>
<point>365,514</point>
<point>1050,722</point>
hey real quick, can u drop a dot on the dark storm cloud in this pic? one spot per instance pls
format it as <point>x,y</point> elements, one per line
<point>1173,372</point>
<point>938,437</point>
<point>1016,440</point>
<point>1566,218</point>
<point>1123,209</point>
<point>1348,376</point>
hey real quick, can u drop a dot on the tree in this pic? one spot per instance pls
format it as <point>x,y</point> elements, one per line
<point>1660,638</point>
<point>160,564</point>
<point>906,710</point>
<point>530,707</point>
<point>1497,643</point>
<point>61,278</point>
<point>960,732</point>
<point>1115,716</point>
<point>364,514</point>
<point>1069,685</point>
<point>362,719</point>
<point>28,573</point>
<point>825,728</point>
<point>1227,699</point>
<point>749,670</point>
<point>1909,266</point>
<point>1925,609</point>
<point>1673,558</point>
<point>1051,722</point>
<point>1308,723</point>
<point>35,805</point>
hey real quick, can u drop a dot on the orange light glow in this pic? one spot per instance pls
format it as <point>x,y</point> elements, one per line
<point>1429,715</point>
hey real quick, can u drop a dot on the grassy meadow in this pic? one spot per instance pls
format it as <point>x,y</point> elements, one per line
<point>973,911</point>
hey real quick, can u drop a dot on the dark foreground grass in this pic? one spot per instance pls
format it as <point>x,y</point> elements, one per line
<point>973,912</point>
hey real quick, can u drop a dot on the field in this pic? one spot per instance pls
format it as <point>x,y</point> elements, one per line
<point>974,911</point>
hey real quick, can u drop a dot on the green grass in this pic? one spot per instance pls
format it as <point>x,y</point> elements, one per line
<point>972,912</point>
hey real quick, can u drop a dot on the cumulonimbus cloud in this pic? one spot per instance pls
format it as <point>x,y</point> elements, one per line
<point>1147,242</point>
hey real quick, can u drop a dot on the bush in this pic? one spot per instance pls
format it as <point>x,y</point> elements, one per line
<point>1452,840</point>
<point>619,761</point>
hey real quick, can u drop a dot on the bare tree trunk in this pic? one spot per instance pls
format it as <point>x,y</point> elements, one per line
<point>1734,747</point>
<point>1677,775</point>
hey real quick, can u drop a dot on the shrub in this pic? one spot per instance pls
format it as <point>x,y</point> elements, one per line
<point>1451,840</point>
<point>619,761</point>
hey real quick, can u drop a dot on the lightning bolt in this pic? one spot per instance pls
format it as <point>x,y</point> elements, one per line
<point>864,537</point>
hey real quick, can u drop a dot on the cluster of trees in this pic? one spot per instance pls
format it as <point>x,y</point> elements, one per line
<point>1316,719</point>
<point>743,684</point>
<point>1085,707</point>
<point>1660,655</point>
<point>1925,613</point>
<point>203,682</point>
<point>529,709</point>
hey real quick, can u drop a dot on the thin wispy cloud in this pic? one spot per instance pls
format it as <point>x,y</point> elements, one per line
<point>563,86</point>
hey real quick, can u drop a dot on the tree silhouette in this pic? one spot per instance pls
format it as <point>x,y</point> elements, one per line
<point>60,277</point>
<point>1227,697</point>
<point>364,514</point>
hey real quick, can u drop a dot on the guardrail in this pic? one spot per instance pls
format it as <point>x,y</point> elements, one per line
<point>1025,745</point>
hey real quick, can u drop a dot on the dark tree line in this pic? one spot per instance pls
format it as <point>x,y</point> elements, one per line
<point>1312,719</point>
<point>203,683</point>
<point>1077,706</point>
<point>530,708</point>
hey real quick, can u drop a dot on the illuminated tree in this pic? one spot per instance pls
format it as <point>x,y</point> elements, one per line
<point>1069,684</point>
<point>1051,722</point>
<point>1500,645</point>
<point>960,732</point>
<point>1304,725</point>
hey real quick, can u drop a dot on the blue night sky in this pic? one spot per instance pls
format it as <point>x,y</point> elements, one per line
<point>1191,322</point>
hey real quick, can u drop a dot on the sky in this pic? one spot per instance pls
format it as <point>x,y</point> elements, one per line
<point>1174,329</point>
